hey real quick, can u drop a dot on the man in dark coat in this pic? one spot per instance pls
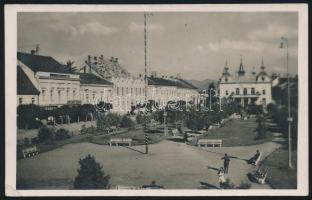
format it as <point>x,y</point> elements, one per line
<point>226,163</point>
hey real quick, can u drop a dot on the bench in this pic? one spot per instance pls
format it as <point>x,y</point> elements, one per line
<point>208,142</point>
<point>260,175</point>
<point>30,151</point>
<point>117,141</point>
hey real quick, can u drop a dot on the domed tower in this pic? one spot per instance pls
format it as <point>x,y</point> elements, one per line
<point>262,75</point>
<point>226,76</point>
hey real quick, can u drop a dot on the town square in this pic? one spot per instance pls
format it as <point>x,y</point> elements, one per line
<point>157,100</point>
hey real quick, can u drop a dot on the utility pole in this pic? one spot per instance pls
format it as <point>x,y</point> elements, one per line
<point>289,119</point>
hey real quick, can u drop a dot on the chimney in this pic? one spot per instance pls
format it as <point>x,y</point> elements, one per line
<point>111,59</point>
<point>37,49</point>
<point>116,60</point>
<point>89,59</point>
<point>32,52</point>
<point>140,75</point>
<point>101,57</point>
<point>154,74</point>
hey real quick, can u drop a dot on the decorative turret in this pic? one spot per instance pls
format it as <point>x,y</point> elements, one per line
<point>226,69</point>
<point>241,71</point>
<point>262,67</point>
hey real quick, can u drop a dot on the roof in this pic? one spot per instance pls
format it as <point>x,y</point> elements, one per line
<point>176,82</point>
<point>88,78</point>
<point>24,85</point>
<point>42,63</point>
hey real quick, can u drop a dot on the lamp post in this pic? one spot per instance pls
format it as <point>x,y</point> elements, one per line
<point>145,82</point>
<point>165,122</point>
<point>289,119</point>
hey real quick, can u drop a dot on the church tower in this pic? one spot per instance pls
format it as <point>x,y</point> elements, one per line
<point>241,71</point>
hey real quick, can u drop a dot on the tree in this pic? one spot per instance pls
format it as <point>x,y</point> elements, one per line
<point>70,66</point>
<point>105,121</point>
<point>91,175</point>
<point>46,135</point>
<point>28,115</point>
<point>261,127</point>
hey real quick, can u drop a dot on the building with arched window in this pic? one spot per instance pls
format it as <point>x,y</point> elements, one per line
<point>246,88</point>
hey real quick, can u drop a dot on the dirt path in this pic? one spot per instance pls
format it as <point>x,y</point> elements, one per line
<point>171,164</point>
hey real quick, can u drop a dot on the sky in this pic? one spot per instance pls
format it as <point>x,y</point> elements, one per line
<point>194,44</point>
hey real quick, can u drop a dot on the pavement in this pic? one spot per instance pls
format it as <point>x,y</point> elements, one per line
<point>171,164</point>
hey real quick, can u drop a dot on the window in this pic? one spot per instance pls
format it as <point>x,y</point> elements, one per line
<point>127,91</point>
<point>20,100</point>
<point>122,91</point>
<point>87,97</point>
<point>43,95</point>
<point>51,95</point>
<point>136,91</point>
<point>245,91</point>
<point>131,91</point>
<point>264,101</point>
<point>74,94</point>
<point>227,92</point>
<point>263,91</point>
<point>117,91</point>
<point>252,90</point>
<point>59,95</point>
<point>237,91</point>
<point>262,78</point>
<point>33,100</point>
<point>226,79</point>
<point>93,96</point>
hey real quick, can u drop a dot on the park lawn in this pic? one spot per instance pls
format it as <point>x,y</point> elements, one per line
<point>237,132</point>
<point>279,176</point>
<point>74,139</point>
<point>137,136</point>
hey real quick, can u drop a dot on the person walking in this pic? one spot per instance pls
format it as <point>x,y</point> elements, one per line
<point>226,163</point>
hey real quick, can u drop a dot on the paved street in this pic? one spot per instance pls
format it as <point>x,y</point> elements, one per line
<point>173,165</point>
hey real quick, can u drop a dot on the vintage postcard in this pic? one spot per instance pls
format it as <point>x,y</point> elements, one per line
<point>156,100</point>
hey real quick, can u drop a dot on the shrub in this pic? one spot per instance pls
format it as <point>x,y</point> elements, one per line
<point>91,130</point>
<point>62,134</point>
<point>143,118</point>
<point>91,175</point>
<point>26,142</point>
<point>28,116</point>
<point>46,135</point>
<point>195,120</point>
<point>105,121</point>
<point>126,122</point>
<point>244,185</point>
<point>261,129</point>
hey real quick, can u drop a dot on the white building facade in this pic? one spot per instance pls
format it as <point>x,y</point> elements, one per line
<point>246,89</point>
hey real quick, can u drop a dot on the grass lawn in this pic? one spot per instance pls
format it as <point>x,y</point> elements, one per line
<point>57,144</point>
<point>280,177</point>
<point>237,132</point>
<point>137,136</point>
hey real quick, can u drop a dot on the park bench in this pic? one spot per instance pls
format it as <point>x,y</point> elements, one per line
<point>30,151</point>
<point>260,175</point>
<point>209,142</point>
<point>117,141</point>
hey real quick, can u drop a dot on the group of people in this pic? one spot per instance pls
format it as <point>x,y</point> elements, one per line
<point>225,169</point>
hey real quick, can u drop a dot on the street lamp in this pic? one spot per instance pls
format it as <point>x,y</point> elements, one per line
<point>289,119</point>
<point>165,122</point>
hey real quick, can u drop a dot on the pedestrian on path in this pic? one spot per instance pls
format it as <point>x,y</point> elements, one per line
<point>226,163</point>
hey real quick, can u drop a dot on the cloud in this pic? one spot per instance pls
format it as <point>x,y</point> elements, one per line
<point>272,32</point>
<point>135,27</point>
<point>236,45</point>
<point>94,28</point>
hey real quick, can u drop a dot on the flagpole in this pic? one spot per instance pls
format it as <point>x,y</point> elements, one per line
<point>145,83</point>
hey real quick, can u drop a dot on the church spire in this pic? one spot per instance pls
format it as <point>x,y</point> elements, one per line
<point>241,71</point>
<point>262,67</point>
<point>226,68</point>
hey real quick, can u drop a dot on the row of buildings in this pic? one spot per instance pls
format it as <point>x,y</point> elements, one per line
<point>44,81</point>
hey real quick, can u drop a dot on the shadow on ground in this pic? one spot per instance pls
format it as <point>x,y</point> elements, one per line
<point>127,147</point>
<point>204,185</point>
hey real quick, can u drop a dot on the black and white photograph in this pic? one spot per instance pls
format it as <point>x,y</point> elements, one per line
<point>158,99</point>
